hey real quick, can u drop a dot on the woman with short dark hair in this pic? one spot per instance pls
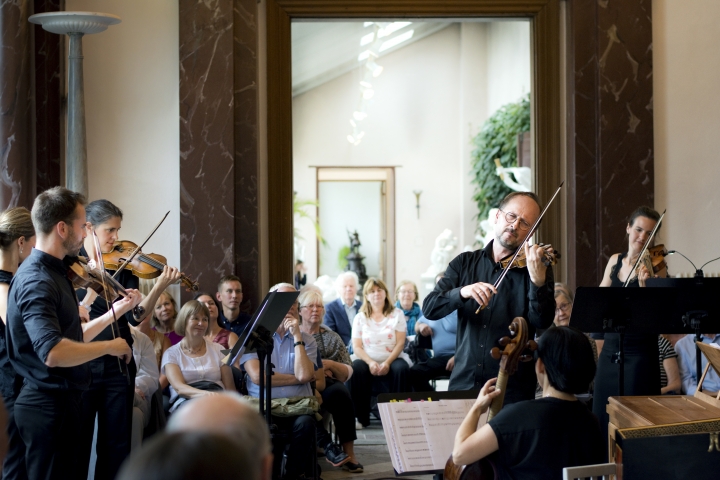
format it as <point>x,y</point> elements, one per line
<point>538,438</point>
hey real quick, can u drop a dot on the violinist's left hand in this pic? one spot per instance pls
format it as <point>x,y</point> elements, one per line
<point>535,255</point>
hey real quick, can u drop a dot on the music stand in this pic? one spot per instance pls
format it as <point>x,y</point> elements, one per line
<point>696,305</point>
<point>626,311</point>
<point>257,337</point>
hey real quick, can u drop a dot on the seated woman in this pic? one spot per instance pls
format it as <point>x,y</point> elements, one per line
<point>406,298</point>
<point>378,336</point>
<point>670,382</point>
<point>336,365</point>
<point>194,366</point>
<point>163,317</point>
<point>538,438</point>
<point>216,333</point>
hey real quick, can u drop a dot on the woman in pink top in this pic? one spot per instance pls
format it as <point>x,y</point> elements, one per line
<point>216,333</point>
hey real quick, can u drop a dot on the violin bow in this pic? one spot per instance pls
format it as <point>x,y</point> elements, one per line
<point>110,306</point>
<point>139,248</point>
<point>522,245</point>
<point>644,249</point>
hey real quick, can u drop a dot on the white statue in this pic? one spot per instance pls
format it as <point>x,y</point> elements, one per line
<point>487,226</point>
<point>523,177</point>
<point>445,245</point>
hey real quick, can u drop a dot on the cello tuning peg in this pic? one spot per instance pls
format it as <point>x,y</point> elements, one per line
<point>504,341</point>
<point>526,358</point>
<point>496,353</point>
<point>531,345</point>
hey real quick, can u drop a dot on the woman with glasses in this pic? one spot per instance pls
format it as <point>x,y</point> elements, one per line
<point>378,335</point>
<point>640,361</point>
<point>337,366</point>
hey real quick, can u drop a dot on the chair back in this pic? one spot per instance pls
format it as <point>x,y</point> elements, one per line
<point>606,471</point>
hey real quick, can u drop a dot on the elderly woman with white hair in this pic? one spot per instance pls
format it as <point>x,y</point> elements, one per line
<point>340,313</point>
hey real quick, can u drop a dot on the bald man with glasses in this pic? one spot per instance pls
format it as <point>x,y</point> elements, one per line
<point>525,292</point>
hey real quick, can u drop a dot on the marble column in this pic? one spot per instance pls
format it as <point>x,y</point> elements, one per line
<point>17,164</point>
<point>218,144</point>
<point>49,68</point>
<point>610,151</point>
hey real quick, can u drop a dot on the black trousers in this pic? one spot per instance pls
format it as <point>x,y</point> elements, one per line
<point>363,383</point>
<point>48,423</point>
<point>111,398</point>
<point>421,373</point>
<point>13,468</point>
<point>301,432</point>
<point>337,401</point>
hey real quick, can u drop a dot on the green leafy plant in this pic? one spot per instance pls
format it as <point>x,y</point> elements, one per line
<point>300,213</point>
<point>342,253</point>
<point>497,139</point>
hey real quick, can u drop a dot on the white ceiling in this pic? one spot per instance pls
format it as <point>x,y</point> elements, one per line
<point>322,51</point>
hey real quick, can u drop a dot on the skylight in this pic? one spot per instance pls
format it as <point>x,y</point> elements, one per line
<point>397,40</point>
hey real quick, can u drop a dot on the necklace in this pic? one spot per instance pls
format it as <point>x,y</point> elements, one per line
<point>191,351</point>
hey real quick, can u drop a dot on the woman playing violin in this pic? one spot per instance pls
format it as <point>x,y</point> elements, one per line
<point>642,371</point>
<point>111,394</point>
<point>538,438</point>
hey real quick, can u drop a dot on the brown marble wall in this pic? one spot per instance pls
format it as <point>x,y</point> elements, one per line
<point>610,156</point>
<point>17,165</point>
<point>49,98</point>
<point>218,143</point>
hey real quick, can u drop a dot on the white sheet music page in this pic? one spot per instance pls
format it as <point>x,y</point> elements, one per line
<point>441,420</point>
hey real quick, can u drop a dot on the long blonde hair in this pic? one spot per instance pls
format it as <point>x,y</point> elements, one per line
<point>366,307</point>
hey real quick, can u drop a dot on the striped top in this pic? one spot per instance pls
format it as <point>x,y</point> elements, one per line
<point>665,351</point>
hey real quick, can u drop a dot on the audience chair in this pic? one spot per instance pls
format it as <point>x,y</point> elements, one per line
<point>606,471</point>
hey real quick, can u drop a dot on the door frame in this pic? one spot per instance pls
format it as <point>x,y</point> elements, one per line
<point>547,123</point>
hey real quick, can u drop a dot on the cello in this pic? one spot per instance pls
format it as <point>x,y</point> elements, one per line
<point>512,349</point>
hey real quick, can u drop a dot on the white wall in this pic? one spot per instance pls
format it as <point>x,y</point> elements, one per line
<point>432,96</point>
<point>508,62</point>
<point>132,112</point>
<point>687,121</point>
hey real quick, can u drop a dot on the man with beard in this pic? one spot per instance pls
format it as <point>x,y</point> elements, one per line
<point>46,340</point>
<point>525,292</point>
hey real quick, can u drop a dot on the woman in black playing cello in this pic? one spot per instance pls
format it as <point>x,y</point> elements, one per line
<point>111,394</point>
<point>642,370</point>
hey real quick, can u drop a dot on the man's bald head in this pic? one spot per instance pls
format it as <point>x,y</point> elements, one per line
<point>229,414</point>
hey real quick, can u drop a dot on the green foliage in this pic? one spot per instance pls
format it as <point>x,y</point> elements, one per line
<point>342,253</point>
<point>497,139</point>
<point>300,213</point>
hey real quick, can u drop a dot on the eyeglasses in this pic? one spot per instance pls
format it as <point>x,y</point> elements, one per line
<point>313,307</point>
<point>563,307</point>
<point>511,218</point>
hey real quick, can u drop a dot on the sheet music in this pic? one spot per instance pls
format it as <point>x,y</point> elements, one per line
<point>420,435</point>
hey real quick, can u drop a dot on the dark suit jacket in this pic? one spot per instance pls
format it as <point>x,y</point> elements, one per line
<point>337,320</point>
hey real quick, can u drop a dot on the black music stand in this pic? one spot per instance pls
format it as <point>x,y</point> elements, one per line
<point>257,337</point>
<point>697,305</point>
<point>626,311</point>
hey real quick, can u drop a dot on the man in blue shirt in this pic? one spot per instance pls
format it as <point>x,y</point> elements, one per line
<point>686,352</point>
<point>294,357</point>
<point>230,296</point>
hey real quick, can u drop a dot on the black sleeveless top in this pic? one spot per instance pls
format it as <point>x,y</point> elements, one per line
<point>9,380</point>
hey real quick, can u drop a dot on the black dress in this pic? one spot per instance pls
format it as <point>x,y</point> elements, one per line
<point>110,394</point>
<point>642,370</point>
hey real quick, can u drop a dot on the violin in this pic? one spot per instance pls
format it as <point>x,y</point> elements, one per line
<point>550,257</point>
<point>83,275</point>
<point>654,259</point>
<point>142,265</point>
<point>513,349</point>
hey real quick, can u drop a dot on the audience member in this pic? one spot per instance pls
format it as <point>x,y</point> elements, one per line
<point>147,381</point>
<point>189,456</point>
<point>339,313</point>
<point>230,296</point>
<point>337,369</point>
<point>563,310</point>
<point>300,275</point>
<point>216,333</point>
<point>163,317</point>
<point>160,343</point>
<point>194,366</point>
<point>229,414</point>
<point>538,438</point>
<point>294,356</point>
<point>670,383</point>
<point>686,354</point>
<point>406,298</point>
<point>443,333</point>
<point>378,334</point>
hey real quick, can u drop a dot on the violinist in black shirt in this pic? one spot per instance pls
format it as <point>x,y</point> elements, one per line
<point>47,343</point>
<point>110,394</point>
<point>525,292</point>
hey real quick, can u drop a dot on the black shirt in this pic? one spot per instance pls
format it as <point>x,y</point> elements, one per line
<point>538,438</point>
<point>8,377</point>
<point>477,334</point>
<point>109,363</point>
<point>236,326</point>
<point>42,310</point>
